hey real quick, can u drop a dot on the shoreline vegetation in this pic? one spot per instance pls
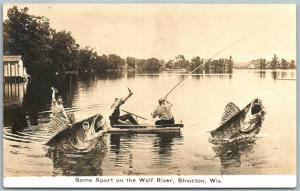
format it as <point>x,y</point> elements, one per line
<point>47,53</point>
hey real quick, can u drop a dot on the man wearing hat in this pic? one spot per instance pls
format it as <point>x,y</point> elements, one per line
<point>115,117</point>
<point>163,111</point>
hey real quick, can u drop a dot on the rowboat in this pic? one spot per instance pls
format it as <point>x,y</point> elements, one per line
<point>145,128</point>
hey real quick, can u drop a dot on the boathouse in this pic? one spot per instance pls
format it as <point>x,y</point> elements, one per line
<point>13,68</point>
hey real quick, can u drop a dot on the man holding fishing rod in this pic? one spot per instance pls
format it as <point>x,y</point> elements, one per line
<point>115,118</point>
<point>163,111</point>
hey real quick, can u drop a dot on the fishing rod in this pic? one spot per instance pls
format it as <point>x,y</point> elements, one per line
<point>134,114</point>
<point>217,53</point>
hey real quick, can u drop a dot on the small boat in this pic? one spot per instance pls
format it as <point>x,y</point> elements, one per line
<point>145,128</point>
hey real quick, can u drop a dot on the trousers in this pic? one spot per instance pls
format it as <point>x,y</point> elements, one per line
<point>123,118</point>
<point>164,122</point>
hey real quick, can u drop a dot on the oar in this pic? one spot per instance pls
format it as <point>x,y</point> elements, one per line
<point>134,114</point>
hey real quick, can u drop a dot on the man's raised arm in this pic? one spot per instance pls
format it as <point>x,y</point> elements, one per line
<point>129,95</point>
<point>53,94</point>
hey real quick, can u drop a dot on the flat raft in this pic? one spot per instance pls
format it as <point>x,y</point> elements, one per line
<point>144,128</point>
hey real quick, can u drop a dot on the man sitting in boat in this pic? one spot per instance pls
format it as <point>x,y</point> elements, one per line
<point>115,118</point>
<point>58,109</point>
<point>163,111</point>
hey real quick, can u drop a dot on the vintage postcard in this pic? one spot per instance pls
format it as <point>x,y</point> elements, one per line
<point>149,95</point>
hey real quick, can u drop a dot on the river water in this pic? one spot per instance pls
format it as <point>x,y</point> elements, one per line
<point>198,102</point>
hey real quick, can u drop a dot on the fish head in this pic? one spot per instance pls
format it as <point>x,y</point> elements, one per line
<point>252,116</point>
<point>85,133</point>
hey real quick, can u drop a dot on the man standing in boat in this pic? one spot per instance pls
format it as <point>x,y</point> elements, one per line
<point>115,118</point>
<point>58,109</point>
<point>163,111</point>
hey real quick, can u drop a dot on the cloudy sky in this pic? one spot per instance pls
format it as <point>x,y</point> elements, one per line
<point>166,30</point>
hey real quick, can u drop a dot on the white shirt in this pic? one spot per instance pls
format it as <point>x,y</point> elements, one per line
<point>163,111</point>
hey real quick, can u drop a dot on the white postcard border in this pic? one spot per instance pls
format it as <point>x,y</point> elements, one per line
<point>207,181</point>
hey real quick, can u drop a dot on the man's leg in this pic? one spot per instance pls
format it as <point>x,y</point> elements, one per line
<point>171,121</point>
<point>160,122</point>
<point>130,118</point>
<point>165,122</point>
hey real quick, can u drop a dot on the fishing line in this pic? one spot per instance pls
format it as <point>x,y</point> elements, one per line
<point>217,53</point>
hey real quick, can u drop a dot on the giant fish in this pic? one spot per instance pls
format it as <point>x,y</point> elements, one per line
<point>81,135</point>
<point>236,122</point>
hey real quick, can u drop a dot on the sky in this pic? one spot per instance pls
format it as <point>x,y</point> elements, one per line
<point>166,30</point>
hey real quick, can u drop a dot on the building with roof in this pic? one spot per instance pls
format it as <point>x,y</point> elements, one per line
<point>13,68</point>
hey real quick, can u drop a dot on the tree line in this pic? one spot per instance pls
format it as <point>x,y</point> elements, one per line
<point>212,65</point>
<point>274,63</point>
<point>47,52</point>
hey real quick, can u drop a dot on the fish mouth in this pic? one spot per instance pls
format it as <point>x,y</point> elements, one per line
<point>254,118</point>
<point>257,107</point>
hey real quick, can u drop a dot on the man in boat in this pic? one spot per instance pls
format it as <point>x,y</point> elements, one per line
<point>163,111</point>
<point>115,118</point>
<point>58,109</point>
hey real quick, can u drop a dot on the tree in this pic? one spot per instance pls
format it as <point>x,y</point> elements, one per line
<point>196,62</point>
<point>181,62</point>
<point>207,65</point>
<point>284,63</point>
<point>221,64</point>
<point>274,62</point>
<point>101,63</point>
<point>262,63</point>
<point>64,51</point>
<point>115,62</point>
<point>130,61</point>
<point>6,39</point>
<point>140,64</point>
<point>169,64</point>
<point>152,65</point>
<point>29,36</point>
<point>292,66</point>
<point>46,52</point>
<point>84,59</point>
<point>230,64</point>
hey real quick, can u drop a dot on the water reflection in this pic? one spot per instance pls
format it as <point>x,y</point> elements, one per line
<point>68,161</point>
<point>274,75</point>
<point>197,77</point>
<point>33,98</point>
<point>261,73</point>
<point>163,146</point>
<point>292,75</point>
<point>165,141</point>
<point>230,153</point>
<point>88,78</point>
<point>13,93</point>
<point>122,147</point>
<point>16,118</point>
<point>283,75</point>
<point>130,74</point>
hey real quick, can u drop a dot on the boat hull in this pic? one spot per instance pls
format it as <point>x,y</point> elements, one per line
<point>145,128</point>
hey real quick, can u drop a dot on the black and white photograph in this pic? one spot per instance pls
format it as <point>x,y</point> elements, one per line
<point>173,93</point>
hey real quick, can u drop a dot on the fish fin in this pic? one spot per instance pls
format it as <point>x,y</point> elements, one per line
<point>230,110</point>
